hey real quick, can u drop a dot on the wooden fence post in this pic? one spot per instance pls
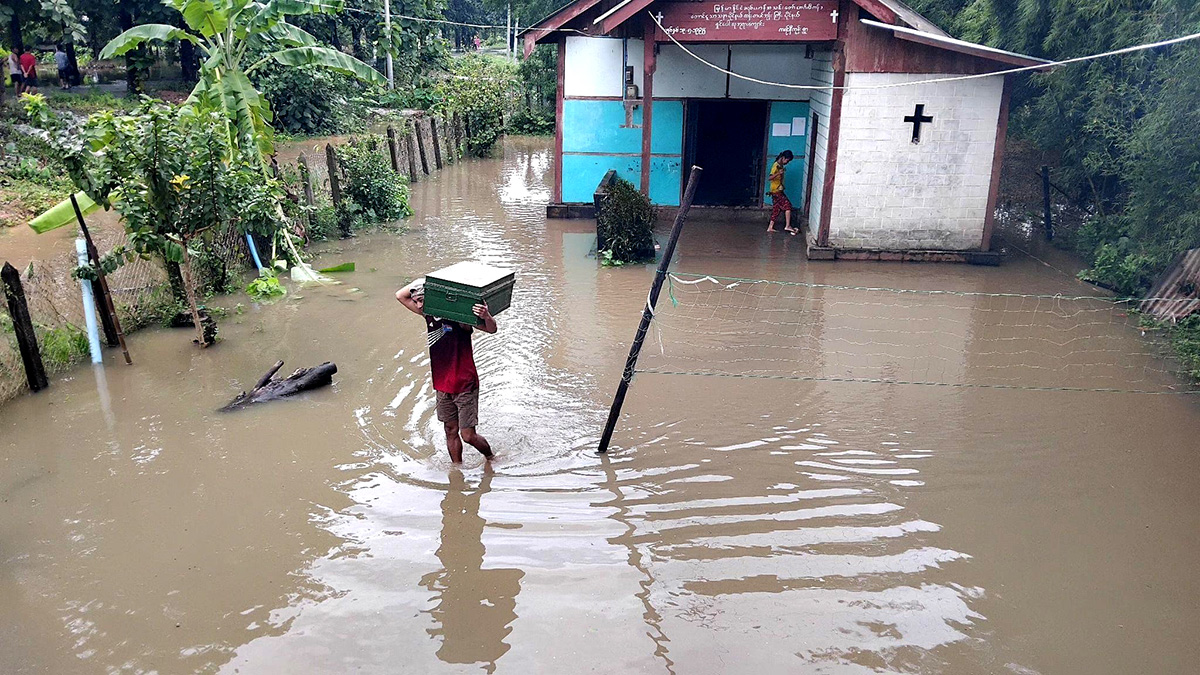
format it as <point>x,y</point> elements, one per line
<point>467,135</point>
<point>456,121</point>
<point>306,179</point>
<point>335,188</point>
<point>18,310</point>
<point>411,150</point>
<point>392,151</point>
<point>437,147</point>
<point>421,145</point>
<point>447,136</point>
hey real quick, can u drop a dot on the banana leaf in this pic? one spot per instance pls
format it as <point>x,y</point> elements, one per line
<point>327,57</point>
<point>63,213</point>
<point>135,36</point>
<point>344,267</point>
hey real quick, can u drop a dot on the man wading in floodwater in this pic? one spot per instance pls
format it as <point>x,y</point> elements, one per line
<point>455,380</point>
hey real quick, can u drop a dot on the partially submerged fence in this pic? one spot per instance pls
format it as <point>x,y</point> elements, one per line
<point>418,146</point>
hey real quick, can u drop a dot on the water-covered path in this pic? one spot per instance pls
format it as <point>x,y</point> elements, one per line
<point>741,526</point>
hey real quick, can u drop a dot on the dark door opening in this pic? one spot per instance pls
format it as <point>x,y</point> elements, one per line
<point>727,140</point>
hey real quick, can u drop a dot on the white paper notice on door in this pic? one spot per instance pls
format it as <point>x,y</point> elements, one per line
<point>797,126</point>
<point>781,129</point>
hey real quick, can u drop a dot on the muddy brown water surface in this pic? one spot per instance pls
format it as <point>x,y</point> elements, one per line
<point>740,525</point>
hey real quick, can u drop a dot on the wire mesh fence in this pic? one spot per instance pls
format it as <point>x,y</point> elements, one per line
<point>141,295</point>
<point>141,290</point>
<point>755,328</point>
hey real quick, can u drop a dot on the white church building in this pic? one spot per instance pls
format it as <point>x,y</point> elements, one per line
<point>897,154</point>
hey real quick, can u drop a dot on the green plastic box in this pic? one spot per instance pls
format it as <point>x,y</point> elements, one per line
<point>452,292</point>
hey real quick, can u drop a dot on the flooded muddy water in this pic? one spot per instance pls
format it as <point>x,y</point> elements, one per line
<point>804,520</point>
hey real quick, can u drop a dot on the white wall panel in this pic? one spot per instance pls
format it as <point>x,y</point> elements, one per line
<point>681,76</point>
<point>775,63</point>
<point>593,67</point>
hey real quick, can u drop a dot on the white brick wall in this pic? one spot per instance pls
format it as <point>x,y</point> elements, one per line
<point>892,194</point>
<point>819,103</point>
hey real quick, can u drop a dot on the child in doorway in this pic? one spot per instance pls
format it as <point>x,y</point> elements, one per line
<point>455,380</point>
<point>779,200</point>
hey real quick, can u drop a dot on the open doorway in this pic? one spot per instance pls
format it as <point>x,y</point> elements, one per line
<point>727,139</point>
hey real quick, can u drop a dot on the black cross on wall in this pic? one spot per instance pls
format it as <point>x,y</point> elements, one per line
<point>916,119</point>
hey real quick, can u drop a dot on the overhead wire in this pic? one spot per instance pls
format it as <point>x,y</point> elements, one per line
<point>807,87</point>
<point>421,19</point>
<point>956,78</point>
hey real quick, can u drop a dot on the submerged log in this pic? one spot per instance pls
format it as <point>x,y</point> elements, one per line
<point>267,389</point>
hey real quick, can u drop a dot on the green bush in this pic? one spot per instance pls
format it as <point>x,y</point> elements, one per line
<point>306,100</point>
<point>481,88</point>
<point>324,223</point>
<point>531,123</point>
<point>380,193</point>
<point>625,226</point>
<point>266,287</point>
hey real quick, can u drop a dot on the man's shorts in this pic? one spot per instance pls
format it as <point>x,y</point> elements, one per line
<point>462,408</point>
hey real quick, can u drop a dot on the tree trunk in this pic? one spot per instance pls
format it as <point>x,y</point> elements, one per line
<point>334,39</point>
<point>175,279</point>
<point>134,57</point>
<point>14,28</point>
<point>189,62</point>
<point>189,288</point>
<point>73,77</point>
<point>356,40</point>
<point>267,389</point>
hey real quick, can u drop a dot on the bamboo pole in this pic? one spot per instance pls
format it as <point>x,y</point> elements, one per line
<point>648,312</point>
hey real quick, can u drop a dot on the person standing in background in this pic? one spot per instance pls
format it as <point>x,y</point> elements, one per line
<point>64,67</point>
<point>14,71</point>
<point>29,72</point>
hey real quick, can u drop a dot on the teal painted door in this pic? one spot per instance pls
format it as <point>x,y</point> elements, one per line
<point>787,129</point>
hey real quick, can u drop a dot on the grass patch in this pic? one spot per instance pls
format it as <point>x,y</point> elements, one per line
<point>62,346</point>
<point>30,181</point>
<point>86,103</point>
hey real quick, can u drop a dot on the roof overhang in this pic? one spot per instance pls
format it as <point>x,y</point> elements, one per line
<point>963,47</point>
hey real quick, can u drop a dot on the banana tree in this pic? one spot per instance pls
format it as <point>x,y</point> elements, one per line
<point>231,32</point>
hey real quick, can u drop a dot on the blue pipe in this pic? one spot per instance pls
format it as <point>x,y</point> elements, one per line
<point>89,306</point>
<point>253,252</point>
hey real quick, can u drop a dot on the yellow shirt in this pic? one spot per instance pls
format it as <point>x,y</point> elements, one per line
<point>776,177</point>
